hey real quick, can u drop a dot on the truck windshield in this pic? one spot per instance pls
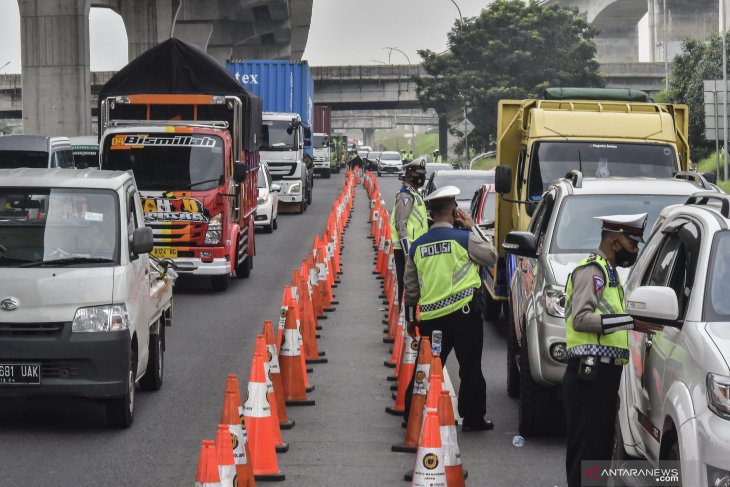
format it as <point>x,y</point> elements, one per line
<point>578,232</point>
<point>717,304</point>
<point>278,135</point>
<point>10,159</point>
<point>321,141</point>
<point>58,226</point>
<point>553,160</point>
<point>167,161</point>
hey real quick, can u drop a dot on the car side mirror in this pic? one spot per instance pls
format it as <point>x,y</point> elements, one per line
<point>239,172</point>
<point>275,188</point>
<point>142,241</point>
<point>711,177</point>
<point>523,244</point>
<point>503,179</point>
<point>656,304</point>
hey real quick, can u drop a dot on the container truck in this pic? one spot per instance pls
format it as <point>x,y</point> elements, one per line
<point>287,91</point>
<point>190,133</point>
<point>600,132</point>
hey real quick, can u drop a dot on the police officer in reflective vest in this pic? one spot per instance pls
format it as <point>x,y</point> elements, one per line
<point>442,276</point>
<point>597,342</point>
<point>408,220</point>
<point>437,156</point>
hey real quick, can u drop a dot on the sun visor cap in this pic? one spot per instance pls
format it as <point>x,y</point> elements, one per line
<point>417,165</point>
<point>445,196</point>
<point>630,225</point>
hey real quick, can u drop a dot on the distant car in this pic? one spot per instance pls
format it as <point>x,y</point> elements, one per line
<point>35,151</point>
<point>371,160</point>
<point>86,151</point>
<point>431,167</point>
<point>483,206</point>
<point>364,148</point>
<point>467,180</point>
<point>389,162</point>
<point>267,210</point>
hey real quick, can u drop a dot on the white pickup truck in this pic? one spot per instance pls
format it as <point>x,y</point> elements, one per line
<point>83,308</point>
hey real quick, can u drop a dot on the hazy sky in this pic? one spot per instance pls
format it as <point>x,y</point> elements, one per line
<point>343,31</point>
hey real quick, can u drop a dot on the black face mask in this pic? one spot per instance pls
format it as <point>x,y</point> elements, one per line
<point>624,258</point>
<point>417,181</point>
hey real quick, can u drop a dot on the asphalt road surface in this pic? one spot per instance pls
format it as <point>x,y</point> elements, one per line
<point>342,441</point>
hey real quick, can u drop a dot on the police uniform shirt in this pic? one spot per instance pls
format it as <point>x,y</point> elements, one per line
<point>481,251</point>
<point>401,212</point>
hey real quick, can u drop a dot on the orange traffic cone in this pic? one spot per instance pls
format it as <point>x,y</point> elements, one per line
<point>224,453</point>
<point>294,310</point>
<point>291,363</point>
<point>455,474</point>
<point>281,445</point>
<point>418,398</point>
<point>207,475</point>
<point>275,373</point>
<point>257,413</point>
<point>405,372</point>
<point>429,469</point>
<point>232,415</point>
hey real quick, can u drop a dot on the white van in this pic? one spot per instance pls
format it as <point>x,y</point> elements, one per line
<point>38,151</point>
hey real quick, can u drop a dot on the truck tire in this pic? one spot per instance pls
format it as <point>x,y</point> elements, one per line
<point>152,378</point>
<point>243,269</point>
<point>120,410</point>
<point>540,410</point>
<point>513,372</point>
<point>275,223</point>
<point>326,173</point>
<point>220,283</point>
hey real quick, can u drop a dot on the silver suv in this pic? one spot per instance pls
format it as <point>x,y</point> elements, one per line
<point>562,232</point>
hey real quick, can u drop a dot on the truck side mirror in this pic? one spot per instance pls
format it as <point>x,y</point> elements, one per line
<point>239,172</point>
<point>307,142</point>
<point>142,241</point>
<point>307,133</point>
<point>503,179</point>
<point>521,243</point>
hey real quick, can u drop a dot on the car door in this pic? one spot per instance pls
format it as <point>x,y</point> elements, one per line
<point>138,276</point>
<point>534,270</point>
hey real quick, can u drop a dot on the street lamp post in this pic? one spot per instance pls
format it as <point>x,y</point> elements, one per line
<point>466,129</point>
<point>413,126</point>
<point>461,19</point>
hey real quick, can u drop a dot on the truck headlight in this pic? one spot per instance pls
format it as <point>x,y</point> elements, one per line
<point>555,302</point>
<point>215,229</point>
<point>295,188</point>
<point>111,317</point>
<point>718,394</point>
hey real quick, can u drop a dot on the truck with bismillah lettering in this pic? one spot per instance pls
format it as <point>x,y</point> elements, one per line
<point>190,134</point>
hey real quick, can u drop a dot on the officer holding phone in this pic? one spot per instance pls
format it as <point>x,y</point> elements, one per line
<point>598,342</point>
<point>442,276</point>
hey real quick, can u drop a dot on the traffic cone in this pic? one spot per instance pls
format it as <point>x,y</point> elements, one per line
<point>207,474</point>
<point>311,351</point>
<point>291,363</point>
<point>405,372</point>
<point>455,474</point>
<point>285,298</point>
<point>232,415</point>
<point>275,373</point>
<point>418,398</point>
<point>294,310</point>
<point>224,453</point>
<point>281,445</point>
<point>257,413</point>
<point>429,470</point>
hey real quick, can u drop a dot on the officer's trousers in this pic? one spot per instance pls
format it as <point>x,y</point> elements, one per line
<point>590,411</point>
<point>400,268</point>
<point>464,333</point>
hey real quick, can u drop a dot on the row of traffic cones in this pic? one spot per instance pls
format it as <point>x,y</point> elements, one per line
<point>430,426</point>
<point>249,434</point>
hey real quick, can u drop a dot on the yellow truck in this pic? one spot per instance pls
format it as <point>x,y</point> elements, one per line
<point>600,132</point>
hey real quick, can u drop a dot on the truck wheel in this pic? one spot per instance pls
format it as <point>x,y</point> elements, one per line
<point>492,308</point>
<point>243,269</point>
<point>275,224</point>
<point>326,173</point>
<point>120,410</point>
<point>220,283</point>
<point>513,372</point>
<point>540,410</point>
<point>152,378</point>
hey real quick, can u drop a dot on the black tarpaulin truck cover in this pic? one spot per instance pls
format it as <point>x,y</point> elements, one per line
<point>178,68</point>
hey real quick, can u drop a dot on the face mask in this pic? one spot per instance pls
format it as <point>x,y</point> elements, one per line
<point>624,258</point>
<point>418,181</point>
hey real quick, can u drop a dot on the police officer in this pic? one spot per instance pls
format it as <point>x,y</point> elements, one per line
<point>442,276</point>
<point>410,155</point>
<point>597,342</point>
<point>403,156</point>
<point>437,156</point>
<point>408,219</point>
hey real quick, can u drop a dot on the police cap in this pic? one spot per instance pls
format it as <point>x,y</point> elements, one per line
<point>445,196</point>
<point>630,225</point>
<point>418,164</point>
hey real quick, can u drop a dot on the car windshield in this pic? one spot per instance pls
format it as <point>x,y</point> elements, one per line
<point>278,135</point>
<point>49,224</point>
<point>10,159</point>
<point>489,207</point>
<point>553,160</point>
<point>578,232</point>
<point>468,183</point>
<point>167,161</point>
<point>390,156</point>
<point>717,304</point>
<point>321,141</point>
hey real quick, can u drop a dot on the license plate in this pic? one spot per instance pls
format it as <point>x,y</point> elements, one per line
<point>164,252</point>
<point>20,373</point>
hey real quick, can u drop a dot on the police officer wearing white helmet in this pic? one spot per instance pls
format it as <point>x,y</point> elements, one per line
<point>408,220</point>
<point>442,276</point>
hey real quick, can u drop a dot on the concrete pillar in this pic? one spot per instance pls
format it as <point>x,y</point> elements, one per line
<point>55,66</point>
<point>196,33</point>
<point>368,136</point>
<point>220,53</point>
<point>148,22</point>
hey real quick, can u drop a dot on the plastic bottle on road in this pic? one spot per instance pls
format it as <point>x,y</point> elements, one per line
<point>518,441</point>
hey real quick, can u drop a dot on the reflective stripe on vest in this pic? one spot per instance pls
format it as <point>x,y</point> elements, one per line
<point>611,301</point>
<point>446,276</point>
<point>417,223</point>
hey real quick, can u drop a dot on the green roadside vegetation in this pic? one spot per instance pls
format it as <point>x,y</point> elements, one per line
<point>709,164</point>
<point>489,163</point>
<point>396,140</point>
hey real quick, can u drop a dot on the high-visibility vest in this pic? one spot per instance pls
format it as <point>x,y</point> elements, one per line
<point>417,223</point>
<point>447,277</point>
<point>438,158</point>
<point>611,301</point>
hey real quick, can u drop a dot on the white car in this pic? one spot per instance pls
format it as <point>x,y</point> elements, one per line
<point>389,162</point>
<point>675,391</point>
<point>268,201</point>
